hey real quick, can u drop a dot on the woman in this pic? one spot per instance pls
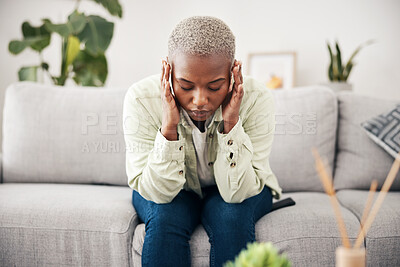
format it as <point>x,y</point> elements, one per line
<point>198,145</point>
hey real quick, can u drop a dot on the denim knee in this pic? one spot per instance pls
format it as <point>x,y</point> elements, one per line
<point>232,220</point>
<point>182,214</point>
<point>168,230</point>
<point>163,218</point>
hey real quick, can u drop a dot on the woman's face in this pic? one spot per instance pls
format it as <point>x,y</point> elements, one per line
<point>200,83</point>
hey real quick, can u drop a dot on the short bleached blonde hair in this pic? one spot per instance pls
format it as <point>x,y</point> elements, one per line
<point>202,36</point>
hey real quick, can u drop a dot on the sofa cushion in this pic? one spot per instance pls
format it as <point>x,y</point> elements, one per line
<point>359,159</point>
<point>306,117</point>
<point>63,135</point>
<point>58,225</point>
<point>307,232</point>
<point>383,238</point>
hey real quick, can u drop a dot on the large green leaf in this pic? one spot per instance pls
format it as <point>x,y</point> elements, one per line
<point>90,70</point>
<point>70,50</point>
<point>35,37</point>
<point>75,24</point>
<point>112,6</point>
<point>16,46</point>
<point>73,47</point>
<point>28,73</point>
<point>29,31</point>
<point>97,34</point>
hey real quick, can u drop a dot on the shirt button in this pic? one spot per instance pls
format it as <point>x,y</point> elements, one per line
<point>180,148</point>
<point>180,172</point>
<point>233,164</point>
<point>210,163</point>
<point>230,142</point>
<point>210,135</point>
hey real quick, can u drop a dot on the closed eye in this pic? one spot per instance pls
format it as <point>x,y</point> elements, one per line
<point>190,88</point>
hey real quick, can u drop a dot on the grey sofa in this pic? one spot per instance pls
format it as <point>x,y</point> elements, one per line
<point>64,198</point>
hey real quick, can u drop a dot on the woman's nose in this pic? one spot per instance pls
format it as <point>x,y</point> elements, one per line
<point>200,98</point>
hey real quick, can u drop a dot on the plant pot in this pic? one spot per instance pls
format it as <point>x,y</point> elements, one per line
<point>350,257</point>
<point>339,86</point>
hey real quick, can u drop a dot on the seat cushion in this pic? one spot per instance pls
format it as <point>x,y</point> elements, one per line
<point>307,232</point>
<point>65,224</point>
<point>63,135</point>
<point>360,160</point>
<point>306,117</point>
<point>383,238</point>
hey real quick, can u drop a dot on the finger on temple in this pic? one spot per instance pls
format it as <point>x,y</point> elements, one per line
<point>232,81</point>
<point>240,73</point>
<point>239,79</point>
<point>236,72</point>
<point>168,70</point>
<point>240,88</point>
<point>168,89</point>
<point>165,71</point>
<point>162,70</point>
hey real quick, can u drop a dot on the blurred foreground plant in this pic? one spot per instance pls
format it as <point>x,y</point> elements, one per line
<point>85,38</point>
<point>259,255</point>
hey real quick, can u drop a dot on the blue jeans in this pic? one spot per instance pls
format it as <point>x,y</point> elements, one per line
<point>230,226</point>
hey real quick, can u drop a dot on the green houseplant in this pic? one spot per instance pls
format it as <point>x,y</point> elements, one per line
<point>338,70</point>
<point>259,255</point>
<point>85,38</point>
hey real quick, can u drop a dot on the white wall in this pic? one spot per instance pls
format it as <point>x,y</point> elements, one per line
<point>303,26</point>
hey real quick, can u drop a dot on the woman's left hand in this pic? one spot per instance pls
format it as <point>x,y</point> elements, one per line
<point>231,105</point>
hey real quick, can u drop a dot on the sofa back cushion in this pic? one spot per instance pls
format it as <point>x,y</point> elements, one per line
<point>75,135</point>
<point>63,135</point>
<point>306,117</point>
<point>359,159</point>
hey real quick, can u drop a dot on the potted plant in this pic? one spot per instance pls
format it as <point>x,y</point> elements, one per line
<point>338,70</point>
<point>259,255</point>
<point>85,38</point>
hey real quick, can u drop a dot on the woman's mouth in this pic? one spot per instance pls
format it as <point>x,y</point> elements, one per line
<point>199,114</point>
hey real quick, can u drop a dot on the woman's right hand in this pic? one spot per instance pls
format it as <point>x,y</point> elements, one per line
<point>170,117</point>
